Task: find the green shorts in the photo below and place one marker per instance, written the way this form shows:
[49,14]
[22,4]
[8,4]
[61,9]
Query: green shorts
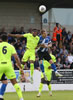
[8,70]
[48,74]
[28,55]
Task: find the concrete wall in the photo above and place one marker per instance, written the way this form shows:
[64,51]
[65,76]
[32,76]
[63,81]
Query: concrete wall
[19,14]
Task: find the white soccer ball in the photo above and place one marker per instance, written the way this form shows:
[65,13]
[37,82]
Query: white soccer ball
[42,8]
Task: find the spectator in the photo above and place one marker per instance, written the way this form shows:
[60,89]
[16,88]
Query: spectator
[57,48]
[39,32]
[64,51]
[3,31]
[71,44]
[69,36]
[19,51]
[58,32]
[66,64]
[13,42]
[64,34]
[12,39]
[30,30]
[58,63]
[70,59]
[22,32]
[54,50]
[17,44]
[23,44]
[14,31]
[36,63]
[62,58]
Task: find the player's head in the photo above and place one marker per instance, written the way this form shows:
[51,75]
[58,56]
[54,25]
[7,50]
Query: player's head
[4,37]
[34,32]
[43,33]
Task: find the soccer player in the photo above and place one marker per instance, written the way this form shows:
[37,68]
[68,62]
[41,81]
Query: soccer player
[3,80]
[44,54]
[6,51]
[48,73]
[32,42]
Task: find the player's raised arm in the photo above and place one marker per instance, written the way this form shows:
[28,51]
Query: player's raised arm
[44,45]
[16,35]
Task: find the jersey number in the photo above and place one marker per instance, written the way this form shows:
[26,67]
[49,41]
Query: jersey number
[4,50]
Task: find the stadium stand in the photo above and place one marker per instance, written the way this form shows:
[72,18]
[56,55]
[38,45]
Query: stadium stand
[62,52]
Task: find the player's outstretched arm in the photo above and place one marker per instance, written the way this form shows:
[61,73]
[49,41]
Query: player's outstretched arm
[42,45]
[15,35]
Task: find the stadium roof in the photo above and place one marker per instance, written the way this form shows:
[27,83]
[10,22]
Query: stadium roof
[48,3]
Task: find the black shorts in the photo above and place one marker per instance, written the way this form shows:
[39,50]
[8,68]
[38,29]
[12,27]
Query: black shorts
[44,55]
[3,77]
[43,81]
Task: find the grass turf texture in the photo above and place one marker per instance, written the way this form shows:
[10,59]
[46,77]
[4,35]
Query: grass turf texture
[57,95]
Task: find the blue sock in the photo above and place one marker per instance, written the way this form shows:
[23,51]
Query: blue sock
[3,88]
[42,67]
[54,67]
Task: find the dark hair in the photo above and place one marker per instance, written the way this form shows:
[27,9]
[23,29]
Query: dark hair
[34,30]
[4,37]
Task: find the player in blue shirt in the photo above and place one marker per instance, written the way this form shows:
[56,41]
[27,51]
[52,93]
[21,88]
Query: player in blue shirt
[44,44]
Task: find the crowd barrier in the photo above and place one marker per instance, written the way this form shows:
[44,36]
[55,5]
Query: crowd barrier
[58,83]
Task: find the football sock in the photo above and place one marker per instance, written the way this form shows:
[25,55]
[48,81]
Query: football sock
[49,87]
[42,67]
[54,67]
[40,87]
[3,88]
[18,90]
[32,69]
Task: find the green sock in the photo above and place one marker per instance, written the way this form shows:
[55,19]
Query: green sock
[22,66]
[18,90]
[49,87]
[41,87]
[32,69]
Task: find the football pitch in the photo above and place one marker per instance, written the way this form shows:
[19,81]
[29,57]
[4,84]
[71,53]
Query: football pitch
[57,95]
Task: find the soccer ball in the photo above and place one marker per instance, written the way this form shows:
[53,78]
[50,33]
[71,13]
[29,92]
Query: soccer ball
[42,8]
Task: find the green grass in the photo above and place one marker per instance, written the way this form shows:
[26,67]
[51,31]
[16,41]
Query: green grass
[57,95]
